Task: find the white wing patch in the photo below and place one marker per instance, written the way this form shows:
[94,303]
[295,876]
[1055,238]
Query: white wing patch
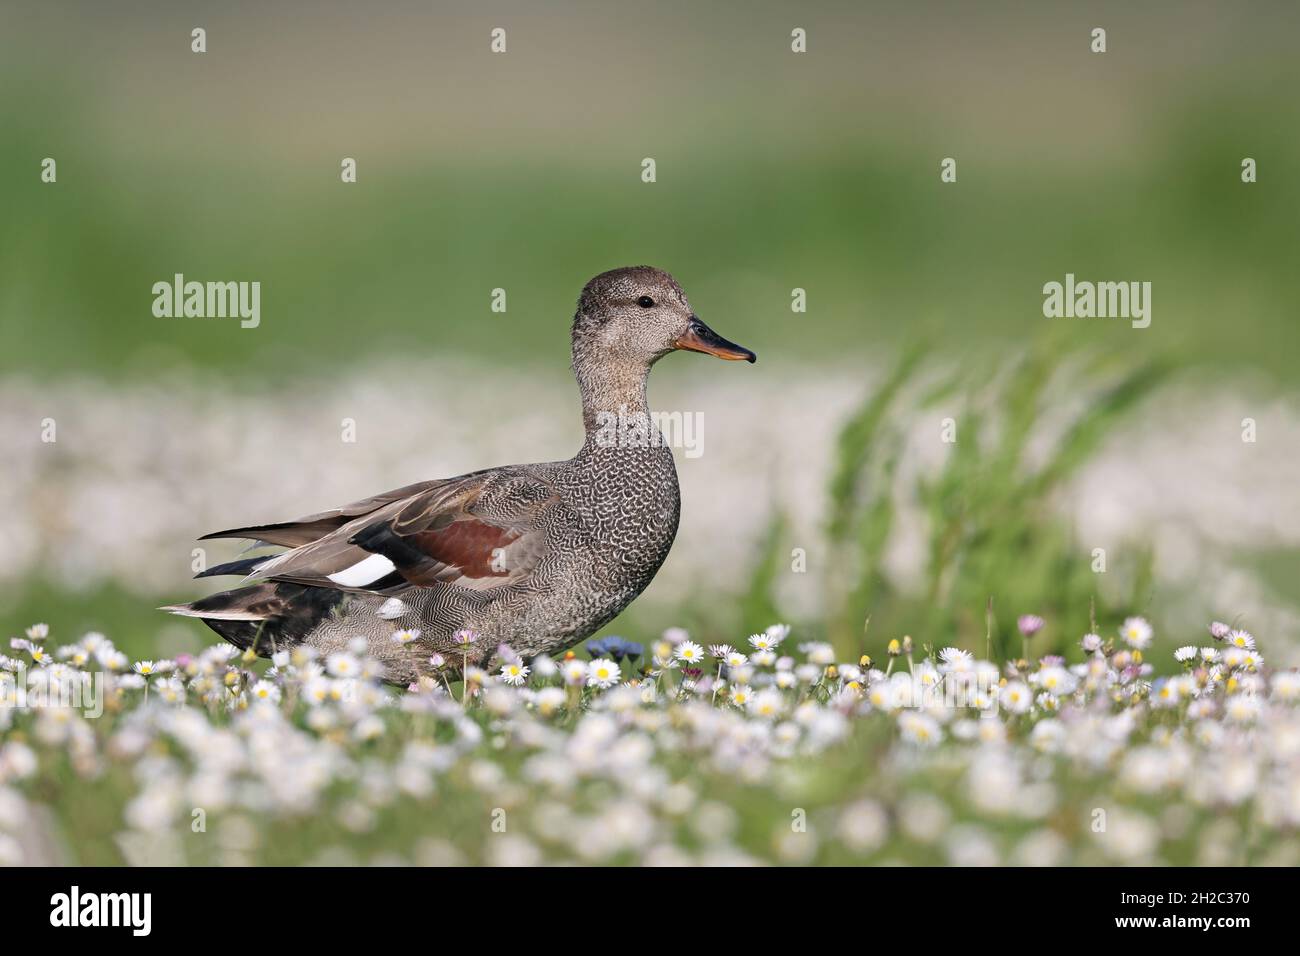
[363,572]
[392,609]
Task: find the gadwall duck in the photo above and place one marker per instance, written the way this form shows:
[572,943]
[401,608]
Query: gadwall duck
[536,557]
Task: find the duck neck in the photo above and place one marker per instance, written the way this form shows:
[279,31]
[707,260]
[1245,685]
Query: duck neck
[613,402]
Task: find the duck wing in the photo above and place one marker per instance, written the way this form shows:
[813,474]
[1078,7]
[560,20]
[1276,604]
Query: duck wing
[293,534]
[478,531]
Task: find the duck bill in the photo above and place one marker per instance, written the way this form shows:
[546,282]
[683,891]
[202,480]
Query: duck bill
[698,337]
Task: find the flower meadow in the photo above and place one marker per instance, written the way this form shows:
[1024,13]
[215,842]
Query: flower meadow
[679,751]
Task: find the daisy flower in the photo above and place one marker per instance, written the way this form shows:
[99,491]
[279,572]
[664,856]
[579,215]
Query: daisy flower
[1286,685]
[1136,632]
[767,703]
[927,675]
[549,701]
[603,673]
[144,668]
[1016,697]
[777,632]
[736,659]
[720,651]
[955,659]
[1166,693]
[689,652]
[741,695]
[464,637]
[1241,640]
[514,673]
[1047,736]
[1186,653]
[342,665]
[819,652]
[405,636]
[1242,708]
[761,642]
[919,728]
[1091,643]
[265,690]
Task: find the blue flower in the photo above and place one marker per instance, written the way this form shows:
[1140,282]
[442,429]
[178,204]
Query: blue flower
[615,648]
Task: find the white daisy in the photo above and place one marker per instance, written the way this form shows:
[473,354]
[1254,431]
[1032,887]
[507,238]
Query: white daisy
[767,703]
[1242,708]
[1166,693]
[1242,640]
[574,672]
[1136,632]
[689,652]
[819,652]
[919,728]
[342,665]
[1286,685]
[265,690]
[406,636]
[1016,697]
[955,659]
[514,673]
[549,700]
[777,632]
[1185,653]
[603,673]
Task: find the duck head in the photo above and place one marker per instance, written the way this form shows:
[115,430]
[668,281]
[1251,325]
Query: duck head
[635,316]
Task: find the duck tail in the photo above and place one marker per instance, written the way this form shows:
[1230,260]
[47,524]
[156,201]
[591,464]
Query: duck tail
[265,617]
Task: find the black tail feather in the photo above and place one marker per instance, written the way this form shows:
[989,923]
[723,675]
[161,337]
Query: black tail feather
[266,617]
[242,566]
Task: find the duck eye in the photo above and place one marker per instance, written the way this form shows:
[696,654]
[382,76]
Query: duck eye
[646,302]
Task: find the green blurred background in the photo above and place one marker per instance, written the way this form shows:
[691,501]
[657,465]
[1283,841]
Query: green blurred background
[522,171]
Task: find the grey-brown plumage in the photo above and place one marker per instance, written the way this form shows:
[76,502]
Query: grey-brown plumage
[534,556]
